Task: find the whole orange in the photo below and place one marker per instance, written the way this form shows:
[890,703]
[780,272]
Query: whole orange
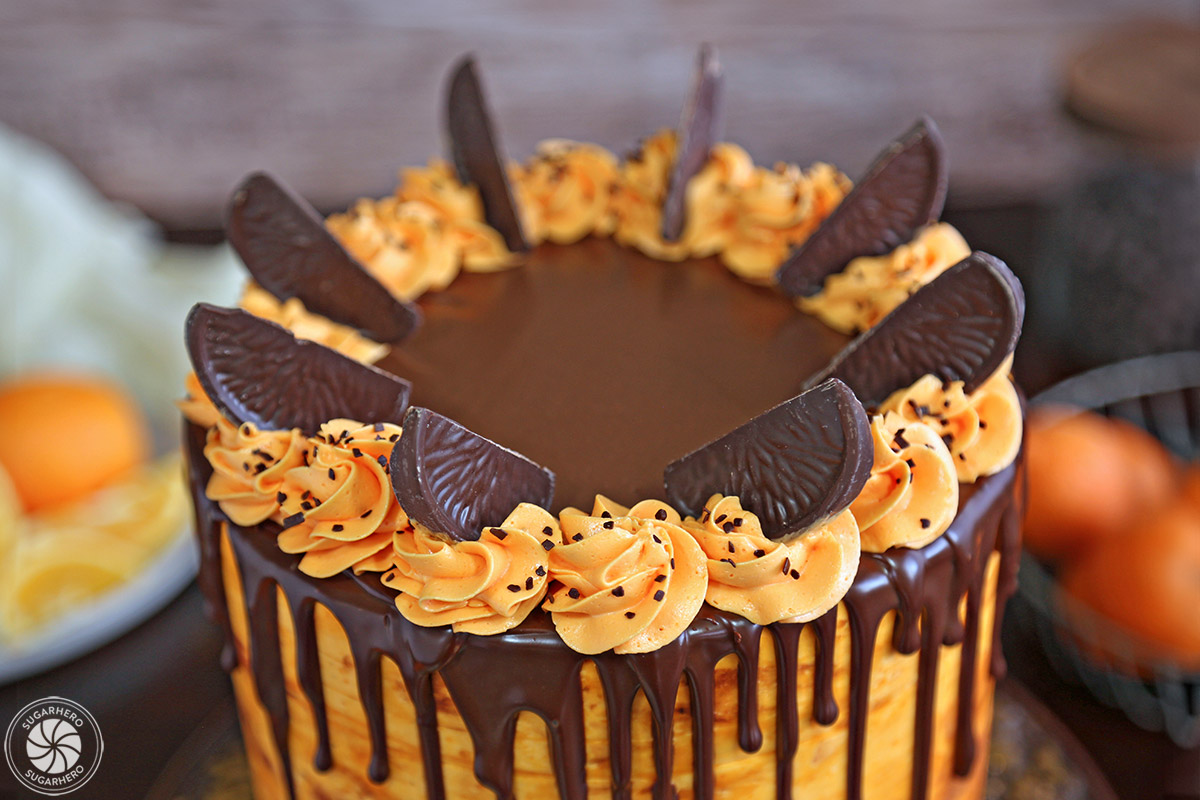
[63,436]
[1148,582]
[1080,491]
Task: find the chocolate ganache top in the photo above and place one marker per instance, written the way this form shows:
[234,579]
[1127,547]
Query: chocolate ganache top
[604,364]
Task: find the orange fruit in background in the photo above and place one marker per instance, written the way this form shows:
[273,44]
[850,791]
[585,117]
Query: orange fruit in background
[1078,491]
[63,436]
[1148,582]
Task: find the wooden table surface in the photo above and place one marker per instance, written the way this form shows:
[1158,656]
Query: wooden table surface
[166,104]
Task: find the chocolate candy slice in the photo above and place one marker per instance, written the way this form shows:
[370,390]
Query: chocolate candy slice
[904,189]
[256,371]
[699,129]
[456,482]
[794,466]
[960,326]
[475,150]
[286,248]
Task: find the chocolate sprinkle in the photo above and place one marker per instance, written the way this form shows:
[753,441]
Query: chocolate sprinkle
[573,593]
[661,514]
[903,190]
[547,545]
[618,591]
[288,251]
[925,523]
[338,528]
[293,520]
[499,533]
[659,595]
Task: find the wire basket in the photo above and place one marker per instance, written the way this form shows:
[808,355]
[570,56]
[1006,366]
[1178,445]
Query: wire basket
[1161,394]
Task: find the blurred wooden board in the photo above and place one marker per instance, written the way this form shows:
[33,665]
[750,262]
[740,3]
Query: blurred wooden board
[166,104]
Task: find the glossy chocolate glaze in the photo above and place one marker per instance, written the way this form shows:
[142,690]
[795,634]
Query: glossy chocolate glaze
[605,365]
[492,678]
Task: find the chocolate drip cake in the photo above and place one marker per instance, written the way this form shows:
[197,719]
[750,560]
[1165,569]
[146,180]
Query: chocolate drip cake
[403,448]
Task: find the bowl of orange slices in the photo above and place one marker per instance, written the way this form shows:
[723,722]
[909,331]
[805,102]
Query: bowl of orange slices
[92,523]
[1111,576]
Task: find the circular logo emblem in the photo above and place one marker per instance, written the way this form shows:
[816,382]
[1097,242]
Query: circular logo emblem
[53,746]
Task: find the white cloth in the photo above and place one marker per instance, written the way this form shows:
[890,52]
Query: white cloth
[87,284]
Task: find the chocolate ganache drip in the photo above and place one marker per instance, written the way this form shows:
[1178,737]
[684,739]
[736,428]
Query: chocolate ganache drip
[492,679]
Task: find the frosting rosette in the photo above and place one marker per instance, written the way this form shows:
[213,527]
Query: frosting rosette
[982,429]
[625,579]
[769,581]
[564,191]
[338,507]
[248,468]
[778,209]
[483,587]
[638,197]
[419,238]
[911,497]
[304,324]
[870,287]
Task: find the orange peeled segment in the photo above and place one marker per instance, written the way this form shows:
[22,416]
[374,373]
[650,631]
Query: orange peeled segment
[64,436]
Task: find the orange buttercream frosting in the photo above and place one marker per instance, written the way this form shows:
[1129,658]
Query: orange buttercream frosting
[748,216]
[769,581]
[982,429]
[485,586]
[419,238]
[911,497]
[249,467]
[195,405]
[338,507]
[870,287]
[565,191]
[304,324]
[625,579]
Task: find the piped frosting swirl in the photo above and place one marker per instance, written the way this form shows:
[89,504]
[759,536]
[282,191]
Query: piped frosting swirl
[768,581]
[912,495]
[483,587]
[982,429]
[626,579]
[867,290]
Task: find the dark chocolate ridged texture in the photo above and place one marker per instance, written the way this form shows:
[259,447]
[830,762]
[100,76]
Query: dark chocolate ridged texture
[455,482]
[255,371]
[960,327]
[699,129]
[476,153]
[287,250]
[793,466]
[903,190]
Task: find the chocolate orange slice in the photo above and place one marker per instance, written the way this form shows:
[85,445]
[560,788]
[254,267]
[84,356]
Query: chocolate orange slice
[903,190]
[960,327]
[288,251]
[456,482]
[699,129]
[256,371]
[794,466]
[475,151]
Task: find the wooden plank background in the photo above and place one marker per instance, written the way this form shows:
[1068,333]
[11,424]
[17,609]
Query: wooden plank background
[166,104]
